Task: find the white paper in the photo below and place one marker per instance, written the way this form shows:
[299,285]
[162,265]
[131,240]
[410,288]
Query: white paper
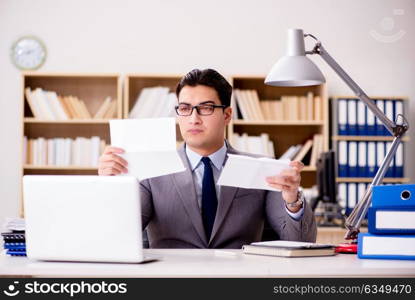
[250,173]
[149,144]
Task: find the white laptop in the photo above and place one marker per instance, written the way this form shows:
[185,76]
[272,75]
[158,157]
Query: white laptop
[83,218]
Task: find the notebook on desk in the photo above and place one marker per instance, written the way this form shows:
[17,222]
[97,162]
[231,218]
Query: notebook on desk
[288,249]
[83,218]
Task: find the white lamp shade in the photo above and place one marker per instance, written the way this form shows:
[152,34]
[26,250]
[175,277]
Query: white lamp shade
[295,69]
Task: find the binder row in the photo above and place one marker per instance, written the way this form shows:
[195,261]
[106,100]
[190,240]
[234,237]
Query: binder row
[14,243]
[391,224]
[354,118]
[349,194]
[363,159]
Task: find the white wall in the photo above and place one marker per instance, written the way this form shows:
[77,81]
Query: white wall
[235,37]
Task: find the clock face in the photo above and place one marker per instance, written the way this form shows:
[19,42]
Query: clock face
[28,53]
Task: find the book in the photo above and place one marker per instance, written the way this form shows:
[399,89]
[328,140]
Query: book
[386,246]
[302,111]
[310,106]
[266,112]
[318,108]
[68,105]
[154,102]
[56,105]
[33,104]
[110,113]
[46,110]
[85,112]
[316,149]
[254,99]
[78,107]
[15,246]
[103,108]
[16,253]
[240,102]
[261,145]
[291,152]
[65,107]
[80,151]
[288,249]
[304,150]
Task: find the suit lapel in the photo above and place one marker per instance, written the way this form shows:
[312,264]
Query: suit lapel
[226,196]
[185,187]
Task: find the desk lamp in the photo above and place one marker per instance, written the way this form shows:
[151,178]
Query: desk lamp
[295,69]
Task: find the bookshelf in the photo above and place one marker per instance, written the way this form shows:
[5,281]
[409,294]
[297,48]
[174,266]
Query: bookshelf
[135,83]
[92,89]
[361,130]
[283,133]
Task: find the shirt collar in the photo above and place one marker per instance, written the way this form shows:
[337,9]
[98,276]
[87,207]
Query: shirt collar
[217,158]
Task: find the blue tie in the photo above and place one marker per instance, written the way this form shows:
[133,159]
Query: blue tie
[209,198]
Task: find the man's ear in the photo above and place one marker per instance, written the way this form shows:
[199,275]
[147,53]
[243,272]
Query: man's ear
[228,114]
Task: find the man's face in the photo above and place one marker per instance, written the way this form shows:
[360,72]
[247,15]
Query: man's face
[203,132]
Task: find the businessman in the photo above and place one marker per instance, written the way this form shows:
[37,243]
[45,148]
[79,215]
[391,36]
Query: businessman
[188,209]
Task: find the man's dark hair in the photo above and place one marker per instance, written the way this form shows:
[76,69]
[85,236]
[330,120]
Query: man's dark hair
[210,78]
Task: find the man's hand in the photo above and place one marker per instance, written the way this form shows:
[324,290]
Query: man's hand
[288,182]
[110,163]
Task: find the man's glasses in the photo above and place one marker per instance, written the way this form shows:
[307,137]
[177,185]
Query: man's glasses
[202,109]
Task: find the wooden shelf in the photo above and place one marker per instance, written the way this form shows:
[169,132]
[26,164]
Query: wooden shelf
[92,89]
[340,143]
[372,97]
[334,235]
[309,169]
[279,123]
[134,83]
[71,121]
[368,179]
[366,138]
[83,168]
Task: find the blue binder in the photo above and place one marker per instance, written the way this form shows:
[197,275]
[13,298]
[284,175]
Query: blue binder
[362,161]
[391,246]
[361,118]
[371,159]
[389,172]
[389,114]
[342,158]
[16,253]
[380,103]
[352,117]
[400,195]
[371,122]
[14,246]
[342,116]
[399,157]
[375,227]
[352,159]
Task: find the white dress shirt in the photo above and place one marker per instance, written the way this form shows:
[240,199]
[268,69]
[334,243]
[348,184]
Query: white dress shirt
[217,160]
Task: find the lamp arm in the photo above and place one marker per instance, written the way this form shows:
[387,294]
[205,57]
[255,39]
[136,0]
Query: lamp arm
[356,217]
[354,221]
[389,124]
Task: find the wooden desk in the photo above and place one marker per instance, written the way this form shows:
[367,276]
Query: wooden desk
[333,235]
[214,263]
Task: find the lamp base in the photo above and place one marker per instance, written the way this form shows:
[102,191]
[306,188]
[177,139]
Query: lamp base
[349,248]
